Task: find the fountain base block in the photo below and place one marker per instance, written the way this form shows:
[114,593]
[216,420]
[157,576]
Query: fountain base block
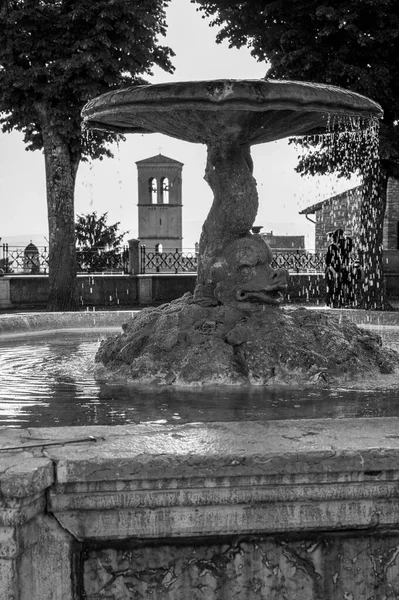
[293,509]
[185,344]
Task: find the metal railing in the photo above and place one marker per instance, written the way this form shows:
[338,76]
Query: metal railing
[175,261]
[17,260]
[299,261]
[102,260]
[170,261]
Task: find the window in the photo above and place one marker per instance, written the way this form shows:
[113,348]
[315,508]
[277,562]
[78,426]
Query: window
[165,190]
[153,190]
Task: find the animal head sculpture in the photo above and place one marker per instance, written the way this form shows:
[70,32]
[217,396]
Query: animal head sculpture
[244,273]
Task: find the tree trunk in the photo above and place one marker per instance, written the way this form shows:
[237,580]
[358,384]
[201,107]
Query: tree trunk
[235,205]
[371,241]
[60,182]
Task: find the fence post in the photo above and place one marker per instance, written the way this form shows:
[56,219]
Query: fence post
[5,258]
[142,259]
[134,256]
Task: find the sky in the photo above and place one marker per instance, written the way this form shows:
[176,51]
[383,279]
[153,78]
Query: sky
[110,185]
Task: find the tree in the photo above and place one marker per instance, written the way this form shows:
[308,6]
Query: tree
[98,244]
[55,55]
[350,43]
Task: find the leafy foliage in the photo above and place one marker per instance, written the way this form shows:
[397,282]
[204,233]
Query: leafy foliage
[349,43]
[57,54]
[99,245]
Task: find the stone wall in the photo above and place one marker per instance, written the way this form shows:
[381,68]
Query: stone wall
[5,301]
[340,211]
[391,223]
[124,291]
[322,566]
[280,509]
[93,290]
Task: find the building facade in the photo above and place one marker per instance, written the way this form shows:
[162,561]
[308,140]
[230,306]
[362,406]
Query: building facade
[160,216]
[343,211]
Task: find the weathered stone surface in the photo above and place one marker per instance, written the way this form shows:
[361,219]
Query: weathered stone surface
[249,110]
[9,545]
[26,478]
[192,480]
[242,272]
[149,451]
[14,325]
[45,571]
[317,567]
[309,509]
[16,512]
[238,519]
[5,301]
[182,343]
[8,579]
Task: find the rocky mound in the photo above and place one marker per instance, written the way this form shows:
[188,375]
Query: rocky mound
[185,344]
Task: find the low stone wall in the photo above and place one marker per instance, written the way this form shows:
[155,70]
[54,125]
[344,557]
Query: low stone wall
[114,291]
[5,301]
[93,290]
[296,509]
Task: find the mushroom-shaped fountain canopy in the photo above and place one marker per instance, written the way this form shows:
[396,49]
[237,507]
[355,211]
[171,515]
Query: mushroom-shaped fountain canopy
[249,111]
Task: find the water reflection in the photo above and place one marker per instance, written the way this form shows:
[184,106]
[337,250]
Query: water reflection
[49,381]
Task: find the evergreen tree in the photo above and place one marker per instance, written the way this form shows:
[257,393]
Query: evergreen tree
[55,55]
[98,245]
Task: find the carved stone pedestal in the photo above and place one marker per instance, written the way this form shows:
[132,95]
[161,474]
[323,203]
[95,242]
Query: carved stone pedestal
[295,509]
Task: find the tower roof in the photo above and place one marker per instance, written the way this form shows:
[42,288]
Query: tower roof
[158,159]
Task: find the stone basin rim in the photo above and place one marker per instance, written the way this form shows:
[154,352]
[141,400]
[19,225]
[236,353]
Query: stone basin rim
[250,95]
[40,322]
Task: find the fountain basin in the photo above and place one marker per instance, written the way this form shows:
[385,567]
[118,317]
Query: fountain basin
[48,378]
[302,507]
[249,111]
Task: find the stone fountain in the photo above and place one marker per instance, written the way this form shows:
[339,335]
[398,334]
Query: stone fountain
[233,329]
[302,508]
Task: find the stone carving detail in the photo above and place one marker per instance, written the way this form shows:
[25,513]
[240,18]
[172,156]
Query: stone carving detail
[244,273]
[333,566]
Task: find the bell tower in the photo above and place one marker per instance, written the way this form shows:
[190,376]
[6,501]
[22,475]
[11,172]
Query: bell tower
[160,203]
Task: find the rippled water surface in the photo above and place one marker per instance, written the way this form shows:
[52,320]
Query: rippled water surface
[48,380]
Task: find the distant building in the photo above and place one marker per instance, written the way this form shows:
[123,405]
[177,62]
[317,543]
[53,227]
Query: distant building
[160,221]
[343,211]
[284,242]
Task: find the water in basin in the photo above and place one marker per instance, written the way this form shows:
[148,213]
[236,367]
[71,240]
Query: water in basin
[48,380]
